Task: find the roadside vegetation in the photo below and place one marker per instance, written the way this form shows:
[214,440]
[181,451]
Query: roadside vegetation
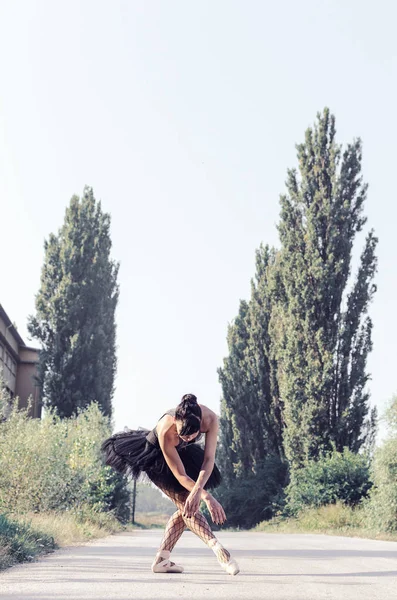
[345,494]
[54,488]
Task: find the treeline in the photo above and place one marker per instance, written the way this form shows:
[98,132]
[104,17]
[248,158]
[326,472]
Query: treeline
[295,380]
[296,424]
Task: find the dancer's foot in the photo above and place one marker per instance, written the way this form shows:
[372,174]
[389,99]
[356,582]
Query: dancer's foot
[230,566]
[162,563]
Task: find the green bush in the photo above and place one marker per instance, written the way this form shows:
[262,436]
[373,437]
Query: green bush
[56,464]
[252,498]
[381,507]
[343,476]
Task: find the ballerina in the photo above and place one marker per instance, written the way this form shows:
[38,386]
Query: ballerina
[170,456]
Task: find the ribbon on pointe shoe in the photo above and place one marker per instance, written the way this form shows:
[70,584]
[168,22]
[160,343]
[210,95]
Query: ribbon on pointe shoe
[231,566]
[165,565]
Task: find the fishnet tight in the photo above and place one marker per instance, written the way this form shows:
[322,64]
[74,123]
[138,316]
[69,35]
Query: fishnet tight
[177,523]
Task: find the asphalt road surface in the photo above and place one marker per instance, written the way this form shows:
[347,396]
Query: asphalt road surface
[274,566]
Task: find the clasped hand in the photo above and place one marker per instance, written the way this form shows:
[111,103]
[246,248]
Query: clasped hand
[192,506]
[192,503]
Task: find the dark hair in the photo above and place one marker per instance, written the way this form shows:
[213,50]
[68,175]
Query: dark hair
[189,412]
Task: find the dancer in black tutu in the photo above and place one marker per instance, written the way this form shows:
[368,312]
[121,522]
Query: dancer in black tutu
[181,469]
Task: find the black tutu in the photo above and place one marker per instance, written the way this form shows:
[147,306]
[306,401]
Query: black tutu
[131,453]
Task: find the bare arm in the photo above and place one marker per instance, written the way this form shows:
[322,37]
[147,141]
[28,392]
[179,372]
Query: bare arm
[192,503]
[174,462]
[196,488]
[211,440]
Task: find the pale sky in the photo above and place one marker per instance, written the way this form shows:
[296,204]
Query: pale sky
[183,117]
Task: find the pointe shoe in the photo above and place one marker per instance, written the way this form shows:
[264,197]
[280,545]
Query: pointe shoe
[165,565]
[230,567]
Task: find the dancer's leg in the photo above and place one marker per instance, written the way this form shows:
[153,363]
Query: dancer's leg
[173,531]
[198,524]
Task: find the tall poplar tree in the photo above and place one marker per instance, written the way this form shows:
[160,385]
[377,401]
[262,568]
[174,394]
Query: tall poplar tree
[251,450]
[235,428]
[251,415]
[321,328]
[75,311]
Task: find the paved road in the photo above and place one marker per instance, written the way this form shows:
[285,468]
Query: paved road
[274,566]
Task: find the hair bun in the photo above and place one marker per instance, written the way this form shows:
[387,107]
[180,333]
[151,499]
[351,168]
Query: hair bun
[189,399]
[189,412]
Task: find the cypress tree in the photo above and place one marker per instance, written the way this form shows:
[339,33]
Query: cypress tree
[234,454]
[75,311]
[321,330]
[251,416]
[262,356]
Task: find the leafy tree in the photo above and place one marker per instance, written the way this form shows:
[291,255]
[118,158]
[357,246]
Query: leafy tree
[75,311]
[251,453]
[236,436]
[294,381]
[254,497]
[323,332]
[251,420]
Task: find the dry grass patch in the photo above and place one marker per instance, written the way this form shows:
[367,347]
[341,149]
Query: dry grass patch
[151,520]
[69,528]
[332,519]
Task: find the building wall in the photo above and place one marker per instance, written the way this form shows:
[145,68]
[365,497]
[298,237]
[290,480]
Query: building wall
[27,354]
[9,338]
[18,366]
[8,367]
[27,386]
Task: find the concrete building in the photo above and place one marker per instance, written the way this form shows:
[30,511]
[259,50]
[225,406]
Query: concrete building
[18,365]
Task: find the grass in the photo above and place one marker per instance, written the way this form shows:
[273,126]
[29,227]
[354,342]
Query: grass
[69,528]
[26,537]
[332,519]
[19,542]
[151,520]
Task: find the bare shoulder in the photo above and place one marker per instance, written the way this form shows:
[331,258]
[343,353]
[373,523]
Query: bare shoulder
[209,419]
[165,427]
